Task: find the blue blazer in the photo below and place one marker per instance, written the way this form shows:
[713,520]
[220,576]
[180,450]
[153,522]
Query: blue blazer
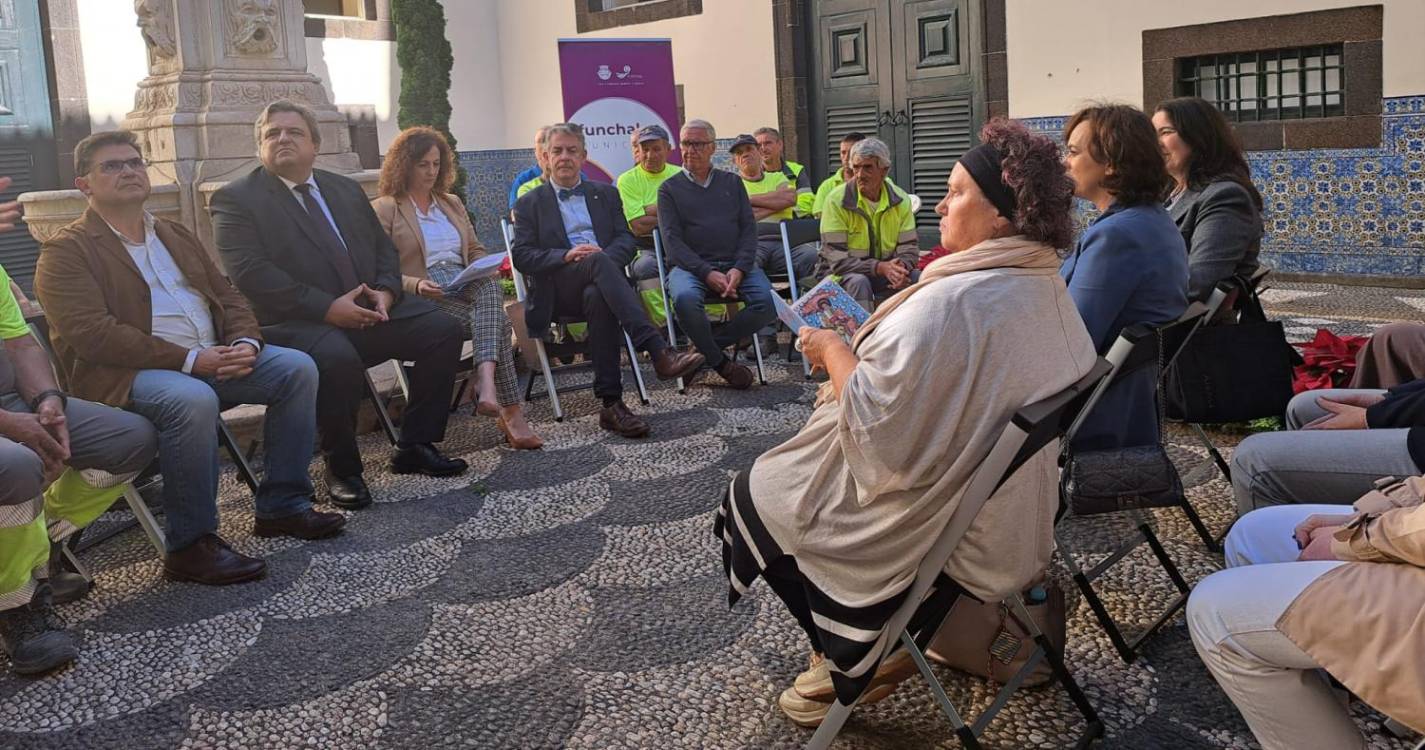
[1130,267]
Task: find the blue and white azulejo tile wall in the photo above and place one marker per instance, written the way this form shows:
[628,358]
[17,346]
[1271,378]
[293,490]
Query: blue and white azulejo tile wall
[1356,211]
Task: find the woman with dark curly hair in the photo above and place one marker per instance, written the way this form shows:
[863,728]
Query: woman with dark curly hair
[433,234]
[838,518]
[1130,265]
[1216,206]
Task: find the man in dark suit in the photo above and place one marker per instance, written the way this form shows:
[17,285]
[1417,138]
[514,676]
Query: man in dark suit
[323,277]
[572,241]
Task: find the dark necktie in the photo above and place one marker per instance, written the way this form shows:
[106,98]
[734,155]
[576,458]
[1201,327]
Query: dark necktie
[330,241]
[566,193]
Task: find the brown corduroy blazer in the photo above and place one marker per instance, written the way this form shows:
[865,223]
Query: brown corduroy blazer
[100,311]
[398,216]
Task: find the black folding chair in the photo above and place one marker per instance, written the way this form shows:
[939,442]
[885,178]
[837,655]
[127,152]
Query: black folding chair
[797,232]
[1032,429]
[712,298]
[541,347]
[1138,347]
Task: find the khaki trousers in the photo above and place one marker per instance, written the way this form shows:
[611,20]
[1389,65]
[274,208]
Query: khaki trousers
[1232,617]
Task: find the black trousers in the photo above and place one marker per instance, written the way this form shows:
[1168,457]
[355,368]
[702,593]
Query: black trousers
[596,290]
[430,339]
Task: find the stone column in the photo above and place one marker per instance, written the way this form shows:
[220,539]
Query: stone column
[213,66]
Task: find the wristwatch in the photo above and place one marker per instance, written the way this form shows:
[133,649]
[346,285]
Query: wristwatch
[42,395]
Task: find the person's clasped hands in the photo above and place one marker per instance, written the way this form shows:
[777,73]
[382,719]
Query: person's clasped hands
[347,311]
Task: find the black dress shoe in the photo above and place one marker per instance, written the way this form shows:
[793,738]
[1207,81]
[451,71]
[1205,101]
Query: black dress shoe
[212,562]
[425,459]
[308,524]
[348,493]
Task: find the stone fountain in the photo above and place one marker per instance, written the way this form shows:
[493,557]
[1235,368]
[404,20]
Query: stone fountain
[213,65]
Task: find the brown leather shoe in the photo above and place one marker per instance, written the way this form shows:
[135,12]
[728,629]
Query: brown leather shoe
[309,524]
[671,363]
[737,376]
[618,419]
[210,561]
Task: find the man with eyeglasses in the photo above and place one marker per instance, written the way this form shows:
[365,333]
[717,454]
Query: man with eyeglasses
[710,233]
[63,461]
[142,319]
[572,243]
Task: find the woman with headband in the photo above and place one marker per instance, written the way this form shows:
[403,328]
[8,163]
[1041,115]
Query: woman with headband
[838,518]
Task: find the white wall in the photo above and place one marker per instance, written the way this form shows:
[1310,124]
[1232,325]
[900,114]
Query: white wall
[1064,53]
[477,92]
[115,59]
[360,71]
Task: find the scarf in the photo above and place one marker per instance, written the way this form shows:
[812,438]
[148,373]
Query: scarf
[1017,251]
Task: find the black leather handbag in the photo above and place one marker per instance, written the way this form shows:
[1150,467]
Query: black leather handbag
[1234,372]
[1115,479]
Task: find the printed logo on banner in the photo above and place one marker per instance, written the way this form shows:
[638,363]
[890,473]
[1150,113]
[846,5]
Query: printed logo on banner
[609,123]
[613,87]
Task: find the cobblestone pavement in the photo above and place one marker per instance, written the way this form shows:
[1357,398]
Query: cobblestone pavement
[573,598]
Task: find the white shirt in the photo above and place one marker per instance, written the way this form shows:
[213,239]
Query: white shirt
[180,314]
[316,193]
[442,239]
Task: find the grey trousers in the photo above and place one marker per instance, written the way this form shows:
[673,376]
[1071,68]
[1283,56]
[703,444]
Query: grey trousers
[773,261]
[100,437]
[1315,466]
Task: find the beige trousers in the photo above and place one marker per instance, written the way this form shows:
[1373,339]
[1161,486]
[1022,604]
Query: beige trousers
[1232,617]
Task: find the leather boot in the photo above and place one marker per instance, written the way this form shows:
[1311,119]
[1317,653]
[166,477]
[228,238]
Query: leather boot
[34,638]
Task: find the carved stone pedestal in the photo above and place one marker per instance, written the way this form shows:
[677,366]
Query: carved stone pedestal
[213,66]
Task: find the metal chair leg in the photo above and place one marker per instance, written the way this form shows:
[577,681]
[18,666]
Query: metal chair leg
[637,371]
[549,381]
[382,415]
[229,443]
[757,350]
[74,562]
[146,520]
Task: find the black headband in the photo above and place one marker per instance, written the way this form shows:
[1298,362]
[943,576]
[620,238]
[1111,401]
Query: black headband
[983,164]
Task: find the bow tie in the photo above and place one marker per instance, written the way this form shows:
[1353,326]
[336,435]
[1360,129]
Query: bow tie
[565,193]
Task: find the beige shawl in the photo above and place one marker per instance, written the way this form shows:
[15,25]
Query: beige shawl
[1005,252]
[859,494]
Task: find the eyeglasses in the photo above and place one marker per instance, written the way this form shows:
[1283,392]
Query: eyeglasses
[696,145]
[117,166]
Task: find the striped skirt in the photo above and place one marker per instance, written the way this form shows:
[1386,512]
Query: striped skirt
[845,635]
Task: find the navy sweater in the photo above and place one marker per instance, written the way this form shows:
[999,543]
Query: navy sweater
[707,229]
[1403,407]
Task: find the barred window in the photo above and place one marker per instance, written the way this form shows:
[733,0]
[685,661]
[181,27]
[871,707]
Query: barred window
[1283,84]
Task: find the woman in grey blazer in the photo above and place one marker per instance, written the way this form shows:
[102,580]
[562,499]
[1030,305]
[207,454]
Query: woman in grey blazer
[1216,206]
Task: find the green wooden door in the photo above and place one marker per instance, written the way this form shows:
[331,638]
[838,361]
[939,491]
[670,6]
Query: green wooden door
[27,152]
[905,71]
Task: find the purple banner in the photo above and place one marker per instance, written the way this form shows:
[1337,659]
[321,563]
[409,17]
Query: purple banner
[613,87]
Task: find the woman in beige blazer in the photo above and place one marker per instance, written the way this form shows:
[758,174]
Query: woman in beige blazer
[436,241]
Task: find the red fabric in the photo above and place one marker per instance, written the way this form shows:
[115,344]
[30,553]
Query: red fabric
[1330,361]
[926,258]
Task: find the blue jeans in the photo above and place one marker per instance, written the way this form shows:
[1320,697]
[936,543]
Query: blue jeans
[185,409]
[688,294]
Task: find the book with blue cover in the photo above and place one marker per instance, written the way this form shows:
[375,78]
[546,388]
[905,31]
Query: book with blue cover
[825,305]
